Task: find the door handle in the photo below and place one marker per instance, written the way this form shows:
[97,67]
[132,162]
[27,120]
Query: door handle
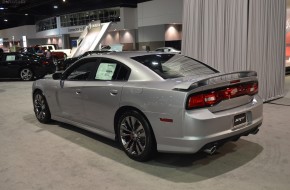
[78,91]
[113,92]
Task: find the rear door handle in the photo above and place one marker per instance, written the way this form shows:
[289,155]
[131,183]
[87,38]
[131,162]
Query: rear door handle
[78,91]
[113,92]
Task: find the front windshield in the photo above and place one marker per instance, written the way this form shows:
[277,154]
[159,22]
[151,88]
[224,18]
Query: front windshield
[173,66]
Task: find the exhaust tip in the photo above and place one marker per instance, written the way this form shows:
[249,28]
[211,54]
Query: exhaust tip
[255,131]
[210,150]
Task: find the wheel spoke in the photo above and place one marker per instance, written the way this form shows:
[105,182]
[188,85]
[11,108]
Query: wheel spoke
[125,135]
[139,128]
[40,115]
[124,128]
[130,146]
[140,148]
[142,134]
[131,149]
[129,124]
[126,143]
[133,122]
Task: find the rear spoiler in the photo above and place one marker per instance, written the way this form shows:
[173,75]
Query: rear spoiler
[214,79]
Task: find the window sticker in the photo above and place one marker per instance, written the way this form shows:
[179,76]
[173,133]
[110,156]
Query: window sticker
[105,71]
[10,58]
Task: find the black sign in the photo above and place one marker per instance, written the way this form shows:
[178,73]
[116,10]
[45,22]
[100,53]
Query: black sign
[240,119]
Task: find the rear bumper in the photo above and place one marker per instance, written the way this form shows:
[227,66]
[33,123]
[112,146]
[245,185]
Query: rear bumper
[202,128]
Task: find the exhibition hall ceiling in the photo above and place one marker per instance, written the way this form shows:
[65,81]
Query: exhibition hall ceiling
[22,12]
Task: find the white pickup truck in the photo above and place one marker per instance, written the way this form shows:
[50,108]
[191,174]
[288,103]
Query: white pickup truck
[52,48]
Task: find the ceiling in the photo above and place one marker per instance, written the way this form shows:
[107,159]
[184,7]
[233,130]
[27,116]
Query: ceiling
[25,12]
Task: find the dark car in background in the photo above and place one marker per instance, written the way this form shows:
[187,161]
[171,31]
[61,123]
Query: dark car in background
[24,66]
[63,64]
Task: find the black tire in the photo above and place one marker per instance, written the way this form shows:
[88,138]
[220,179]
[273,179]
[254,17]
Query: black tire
[135,136]
[26,74]
[41,108]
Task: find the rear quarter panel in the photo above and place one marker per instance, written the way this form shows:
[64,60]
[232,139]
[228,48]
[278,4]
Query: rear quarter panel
[157,103]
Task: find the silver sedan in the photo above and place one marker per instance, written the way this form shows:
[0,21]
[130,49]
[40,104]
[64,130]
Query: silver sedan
[151,101]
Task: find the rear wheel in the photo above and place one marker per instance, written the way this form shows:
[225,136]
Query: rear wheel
[41,108]
[135,136]
[26,74]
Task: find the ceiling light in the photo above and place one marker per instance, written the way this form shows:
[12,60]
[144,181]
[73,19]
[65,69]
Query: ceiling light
[55,6]
[1,8]
[5,20]
[26,14]
[63,0]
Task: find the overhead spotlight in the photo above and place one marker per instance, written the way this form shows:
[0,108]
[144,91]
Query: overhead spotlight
[55,6]
[1,8]
[26,14]
[5,20]
[63,0]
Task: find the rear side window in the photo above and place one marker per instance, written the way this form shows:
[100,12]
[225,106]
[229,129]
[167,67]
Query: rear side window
[110,69]
[173,66]
[106,71]
[11,58]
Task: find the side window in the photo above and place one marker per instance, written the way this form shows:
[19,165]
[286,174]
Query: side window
[106,71]
[112,70]
[10,57]
[84,71]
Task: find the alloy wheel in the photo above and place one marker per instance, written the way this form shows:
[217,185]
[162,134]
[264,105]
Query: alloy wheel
[40,107]
[133,136]
[26,74]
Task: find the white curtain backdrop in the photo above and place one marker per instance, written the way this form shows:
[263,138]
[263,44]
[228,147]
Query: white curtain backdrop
[233,35]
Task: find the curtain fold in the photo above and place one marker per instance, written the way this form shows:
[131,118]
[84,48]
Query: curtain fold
[239,35]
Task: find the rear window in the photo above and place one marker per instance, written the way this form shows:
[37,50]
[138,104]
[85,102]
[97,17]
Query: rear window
[173,66]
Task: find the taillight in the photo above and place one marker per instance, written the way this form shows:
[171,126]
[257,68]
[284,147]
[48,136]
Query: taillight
[213,97]
[252,88]
[45,62]
[196,101]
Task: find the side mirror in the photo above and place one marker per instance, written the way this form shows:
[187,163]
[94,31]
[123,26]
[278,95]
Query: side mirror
[57,76]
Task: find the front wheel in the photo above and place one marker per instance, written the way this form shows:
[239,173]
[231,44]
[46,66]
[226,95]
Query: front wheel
[26,74]
[135,136]
[41,108]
